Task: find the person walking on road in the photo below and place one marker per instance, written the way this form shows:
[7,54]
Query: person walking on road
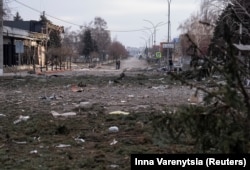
[118,64]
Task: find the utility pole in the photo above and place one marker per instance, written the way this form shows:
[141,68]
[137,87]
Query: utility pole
[154,27]
[169,57]
[1,37]
[169,22]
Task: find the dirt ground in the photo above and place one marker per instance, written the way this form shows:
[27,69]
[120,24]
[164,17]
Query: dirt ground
[64,121]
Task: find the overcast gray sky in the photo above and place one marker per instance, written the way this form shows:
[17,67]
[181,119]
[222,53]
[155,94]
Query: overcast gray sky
[122,16]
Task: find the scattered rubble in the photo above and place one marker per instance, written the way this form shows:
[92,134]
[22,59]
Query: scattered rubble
[21,119]
[113,142]
[63,146]
[66,114]
[113,129]
[119,113]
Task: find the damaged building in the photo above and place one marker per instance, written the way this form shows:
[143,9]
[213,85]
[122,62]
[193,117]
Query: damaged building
[25,42]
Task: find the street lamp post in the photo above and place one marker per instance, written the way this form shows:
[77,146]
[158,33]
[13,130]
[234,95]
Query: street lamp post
[154,26]
[169,2]
[169,27]
[151,36]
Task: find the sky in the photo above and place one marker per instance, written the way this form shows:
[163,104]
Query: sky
[130,22]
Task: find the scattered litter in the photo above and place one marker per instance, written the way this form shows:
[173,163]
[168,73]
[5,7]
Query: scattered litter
[67,86]
[80,140]
[75,88]
[34,152]
[223,83]
[52,97]
[131,96]
[85,105]
[21,118]
[113,129]
[114,166]
[113,142]
[67,114]
[1,146]
[123,101]
[111,82]
[37,138]
[19,103]
[160,87]
[195,99]
[119,113]
[20,142]
[63,146]
[2,115]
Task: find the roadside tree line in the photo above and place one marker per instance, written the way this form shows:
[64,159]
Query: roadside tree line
[92,43]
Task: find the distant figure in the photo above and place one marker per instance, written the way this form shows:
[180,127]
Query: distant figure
[118,64]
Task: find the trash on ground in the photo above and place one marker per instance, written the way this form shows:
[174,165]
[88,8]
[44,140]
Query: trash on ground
[131,96]
[113,129]
[160,87]
[222,83]
[75,88]
[113,142]
[195,99]
[111,82]
[67,114]
[20,142]
[37,138]
[34,152]
[21,119]
[52,97]
[63,146]
[119,113]
[114,166]
[85,105]
[80,140]
[2,115]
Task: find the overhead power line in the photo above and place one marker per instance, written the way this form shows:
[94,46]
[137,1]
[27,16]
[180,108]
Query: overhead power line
[71,23]
[36,10]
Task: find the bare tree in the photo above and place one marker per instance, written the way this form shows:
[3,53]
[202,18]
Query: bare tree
[71,44]
[6,9]
[101,35]
[199,26]
[117,51]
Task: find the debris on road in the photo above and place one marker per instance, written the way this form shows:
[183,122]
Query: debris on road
[20,142]
[113,142]
[67,114]
[21,118]
[119,113]
[2,115]
[76,88]
[63,146]
[34,152]
[79,140]
[113,129]
[85,105]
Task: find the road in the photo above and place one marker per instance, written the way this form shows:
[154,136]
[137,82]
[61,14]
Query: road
[133,63]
